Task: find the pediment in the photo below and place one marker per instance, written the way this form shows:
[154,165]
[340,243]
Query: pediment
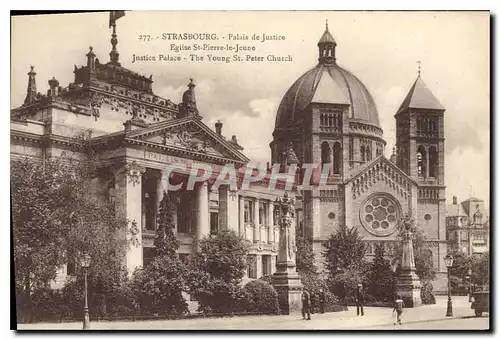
[381,169]
[190,135]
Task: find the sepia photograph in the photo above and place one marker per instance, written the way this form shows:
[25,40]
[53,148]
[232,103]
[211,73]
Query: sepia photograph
[250,170]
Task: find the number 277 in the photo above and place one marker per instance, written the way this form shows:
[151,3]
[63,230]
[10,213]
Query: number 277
[145,37]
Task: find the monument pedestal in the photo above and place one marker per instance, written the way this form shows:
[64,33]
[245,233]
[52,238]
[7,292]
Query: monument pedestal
[408,287]
[287,283]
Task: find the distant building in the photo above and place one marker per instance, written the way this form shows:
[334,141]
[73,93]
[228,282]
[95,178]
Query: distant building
[467,226]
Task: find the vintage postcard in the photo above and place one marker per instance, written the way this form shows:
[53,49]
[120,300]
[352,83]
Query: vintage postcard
[252,170]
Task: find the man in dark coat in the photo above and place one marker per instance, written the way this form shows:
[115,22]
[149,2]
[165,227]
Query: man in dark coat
[306,305]
[321,301]
[360,299]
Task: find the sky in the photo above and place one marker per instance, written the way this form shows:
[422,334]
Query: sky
[380,48]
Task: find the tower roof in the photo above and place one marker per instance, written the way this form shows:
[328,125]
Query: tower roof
[326,37]
[420,97]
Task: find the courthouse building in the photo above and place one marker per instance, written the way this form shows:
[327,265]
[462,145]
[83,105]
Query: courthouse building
[326,117]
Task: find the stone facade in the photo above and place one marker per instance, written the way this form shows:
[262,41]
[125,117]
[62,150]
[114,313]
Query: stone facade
[327,118]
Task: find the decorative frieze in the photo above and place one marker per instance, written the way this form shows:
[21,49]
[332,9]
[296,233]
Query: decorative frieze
[381,171]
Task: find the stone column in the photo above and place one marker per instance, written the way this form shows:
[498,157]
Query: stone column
[256,225]
[202,212]
[241,215]
[273,264]
[159,195]
[228,209]
[259,266]
[270,224]
[286,280]
[128,184]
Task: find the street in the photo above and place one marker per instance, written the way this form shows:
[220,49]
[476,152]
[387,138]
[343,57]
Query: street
[481,323]
[425,317]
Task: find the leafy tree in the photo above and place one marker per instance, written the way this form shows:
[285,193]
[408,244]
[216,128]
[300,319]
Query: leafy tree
[56,215]
[344,248]
[216,272]
[380,276]
[344,260]
[305,256]
[481,269]
[158,287]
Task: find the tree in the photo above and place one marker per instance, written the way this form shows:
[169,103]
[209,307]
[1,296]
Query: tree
[380,276]
[344,248]
[344,260]
[216,272]
[158,287]
[56,215]
[481,269]
[305,256]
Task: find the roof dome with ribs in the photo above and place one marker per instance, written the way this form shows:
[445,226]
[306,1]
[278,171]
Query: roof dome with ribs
[327,83]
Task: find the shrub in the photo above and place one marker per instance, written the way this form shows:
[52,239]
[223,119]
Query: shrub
[426,294]
[263,298]
[46,304]
[216,272]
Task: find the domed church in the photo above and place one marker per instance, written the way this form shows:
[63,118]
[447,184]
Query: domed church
[330,118]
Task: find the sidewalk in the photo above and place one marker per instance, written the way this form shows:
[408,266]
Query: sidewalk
[374,317]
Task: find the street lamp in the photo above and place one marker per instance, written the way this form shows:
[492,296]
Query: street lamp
[448,260]
[85,263]
[394,267]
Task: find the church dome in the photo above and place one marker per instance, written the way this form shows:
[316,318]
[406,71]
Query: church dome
[327,83]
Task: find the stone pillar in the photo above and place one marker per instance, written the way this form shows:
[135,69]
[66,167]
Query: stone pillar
[159,194]
[408,283]
[286,280]
[270,224]
[128,184]
[202,212]
[273,264]
[259,266]
[241,215]
[256,225]
[228,209]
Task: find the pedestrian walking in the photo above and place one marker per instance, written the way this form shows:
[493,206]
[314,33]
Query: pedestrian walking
[306,305]
[398,308]
[321,301]
[360,299]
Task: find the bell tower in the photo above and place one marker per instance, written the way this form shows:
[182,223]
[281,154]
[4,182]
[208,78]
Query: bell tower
[420,135]
[420,154]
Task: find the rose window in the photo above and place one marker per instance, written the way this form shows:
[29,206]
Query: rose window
[380,214]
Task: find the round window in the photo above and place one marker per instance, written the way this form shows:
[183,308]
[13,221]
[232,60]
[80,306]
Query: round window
[331,216]
[427,217]
[380,214]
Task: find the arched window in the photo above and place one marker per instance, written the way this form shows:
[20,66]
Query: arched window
[368,153]
[362,151]
[433,162]
[337,158]
[325,153]
[421,162]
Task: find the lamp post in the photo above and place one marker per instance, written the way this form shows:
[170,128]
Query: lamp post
[469,277]
[394,267]
[448,260]
[85,263]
